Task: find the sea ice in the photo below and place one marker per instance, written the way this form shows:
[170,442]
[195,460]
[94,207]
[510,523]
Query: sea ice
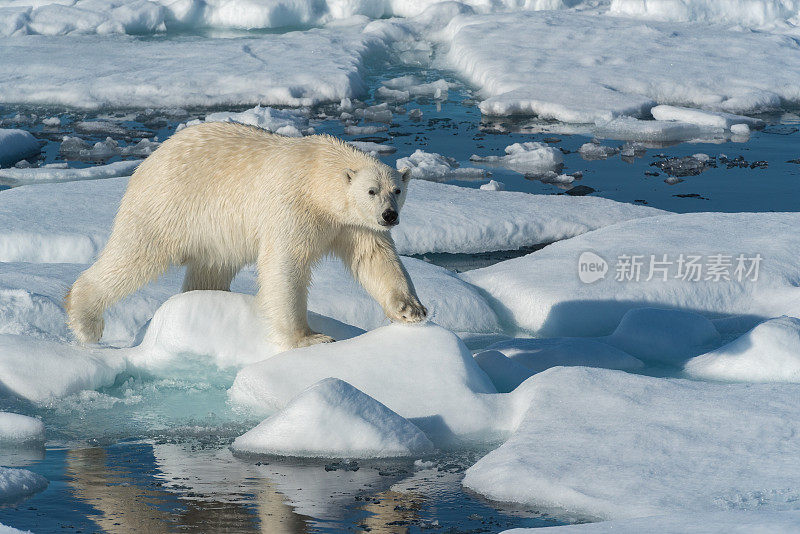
[539,354]
[609,444]
[526,158]
[289,122]
[596,151]
[42,175]
[16,145]
[749,13]
[711,263]
[493,185]
[16,429]
[16,484]
[770,352]
[333,419]
[438,168]
[701,117]
[505,373]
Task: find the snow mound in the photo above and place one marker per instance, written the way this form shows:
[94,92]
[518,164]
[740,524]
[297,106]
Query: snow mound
[709,263]
[16,145]
[703,118]
[86,74]
[618,66]
[16,484]
[538,355]
[526,158]
[505,373]
[422,372]
[70,222]
[218,324]
[438,168]
[608,444]
[664,335]
[731,522]
[451,302]
[42,175]
[770,352]
[334,419]
[752,13]
[41,371]
[20,429]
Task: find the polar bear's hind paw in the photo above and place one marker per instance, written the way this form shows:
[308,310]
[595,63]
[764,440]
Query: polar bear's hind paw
[313,339]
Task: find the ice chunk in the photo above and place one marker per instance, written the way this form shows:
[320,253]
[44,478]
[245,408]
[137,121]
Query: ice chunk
[699,263]
[16,145]
[538,355]
[703,118]
[41,371]
[364,130]
[658,131]
[596,151]
[333,419]
[16,484]
[768,353]
[70,222]
[373,148]
[618,67]
[422,372]
[289,122]
[608,444]
[505,373]
[438,168]
[50,174]
[16,429]
[740,129]
[493,185]
[530,157]
[664,335]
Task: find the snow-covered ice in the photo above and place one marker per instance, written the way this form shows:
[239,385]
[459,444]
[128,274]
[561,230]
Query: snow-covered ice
[748,13]
[289,122]
[438,168]
[505,373]
[703,118]
[493,185]
[608,444]
[770,352]
[543,293]
[16,484]
[63,174]
[16,145]
[70,222]
[334,419]
[538,355]
[526,158]
[617,66]
[17,429]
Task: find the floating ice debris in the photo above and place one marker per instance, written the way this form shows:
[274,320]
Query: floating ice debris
[530,157]
[682,166]
[16,484]
[16,429]
[494,185]
[16,145]
[438,168]
[596,151]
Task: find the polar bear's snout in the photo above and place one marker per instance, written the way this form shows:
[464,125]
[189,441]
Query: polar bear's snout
[389,217]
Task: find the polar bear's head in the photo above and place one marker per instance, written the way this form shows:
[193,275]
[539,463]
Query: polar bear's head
[376,194]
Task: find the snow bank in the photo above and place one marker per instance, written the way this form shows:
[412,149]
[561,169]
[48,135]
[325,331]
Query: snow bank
[41,371]
[731,522]
[753,13]
[16,145]
[618,66]
[334,419]
[703,118]
[70,222]
[537,355]
[41,175]
[664,335]
[691,256]
[16,484]
[438,168]
[608,444]
[86,74]
[526,158]
[451,303]
[422,372]
[768,353]
[505,373]
[220,325]
[20,429]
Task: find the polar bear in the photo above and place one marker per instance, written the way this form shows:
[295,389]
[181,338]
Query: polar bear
[217,196]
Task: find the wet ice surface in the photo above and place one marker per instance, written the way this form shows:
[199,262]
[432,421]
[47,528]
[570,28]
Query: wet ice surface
[153,452]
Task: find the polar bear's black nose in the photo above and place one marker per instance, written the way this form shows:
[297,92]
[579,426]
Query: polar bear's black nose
[389,216]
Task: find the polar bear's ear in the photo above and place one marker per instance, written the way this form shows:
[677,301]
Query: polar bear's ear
[350,174]
[405,172]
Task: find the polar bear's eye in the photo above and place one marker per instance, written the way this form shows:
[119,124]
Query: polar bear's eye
[396,191]
[371,192]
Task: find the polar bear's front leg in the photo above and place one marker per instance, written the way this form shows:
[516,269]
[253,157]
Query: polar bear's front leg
[372,259]
[282,300]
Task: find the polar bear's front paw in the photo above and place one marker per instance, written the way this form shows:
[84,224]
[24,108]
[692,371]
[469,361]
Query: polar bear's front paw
[406,309]
[313,339]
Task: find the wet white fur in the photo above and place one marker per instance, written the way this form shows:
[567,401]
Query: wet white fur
[217,196]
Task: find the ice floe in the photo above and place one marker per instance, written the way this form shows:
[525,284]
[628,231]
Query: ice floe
[711,263]
[16,484]
[438,168]
[703,118]
[333,419]
[748,13]
[591,78]
[289,122]
[16,145]
[770,352]
[608,444]
[16,429]
[48,174]
[526,158]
